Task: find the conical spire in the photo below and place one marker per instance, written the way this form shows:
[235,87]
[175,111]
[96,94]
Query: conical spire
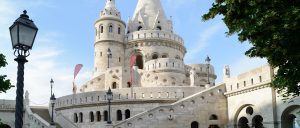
[110,4]
[150,14]
[110,10]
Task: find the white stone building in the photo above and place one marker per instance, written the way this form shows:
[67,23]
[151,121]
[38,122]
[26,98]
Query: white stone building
[165,92]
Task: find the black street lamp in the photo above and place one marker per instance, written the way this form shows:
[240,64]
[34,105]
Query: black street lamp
[52,101]
[109,96]
[109,55]
[207,61]
[51,84]
[23,33]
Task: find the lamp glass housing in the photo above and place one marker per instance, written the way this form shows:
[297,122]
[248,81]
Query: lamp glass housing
[23,33]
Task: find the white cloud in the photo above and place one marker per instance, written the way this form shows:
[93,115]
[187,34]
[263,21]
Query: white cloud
[202,42]
[245,64]
[43,62]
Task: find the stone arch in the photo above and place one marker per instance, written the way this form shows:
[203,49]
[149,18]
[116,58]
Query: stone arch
[236,120]
[155,55]
[127,113]
[213,126]
[213,117]
[194,124]
[119,115]
[92,117]
[110,28]
[257,121]
[80,117]
[105,113]
[75,118]
[98,114]
[288,116]
[165,55]
[119,29]
[101,28]
[140,61]
[129,84]
[114,85]
[139,28]
[158,28]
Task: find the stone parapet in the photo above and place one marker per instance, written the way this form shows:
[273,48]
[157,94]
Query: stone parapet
[153,34]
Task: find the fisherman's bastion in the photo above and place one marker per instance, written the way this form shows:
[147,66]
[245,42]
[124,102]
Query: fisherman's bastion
[165,92]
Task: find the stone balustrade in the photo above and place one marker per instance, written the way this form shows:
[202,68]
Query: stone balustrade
[153,34]
[151,93]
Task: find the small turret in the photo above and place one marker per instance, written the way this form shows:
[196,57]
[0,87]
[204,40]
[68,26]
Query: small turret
[110,33]
[226,72]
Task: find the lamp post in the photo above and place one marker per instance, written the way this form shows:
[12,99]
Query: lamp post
[109,96]
[109,55]
[52,101]
[51,84]
[207,61]
[23,33]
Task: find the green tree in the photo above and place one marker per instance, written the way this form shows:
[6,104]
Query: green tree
[4,83]
[272,27]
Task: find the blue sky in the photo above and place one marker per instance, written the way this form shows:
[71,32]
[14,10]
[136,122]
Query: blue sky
[66,37]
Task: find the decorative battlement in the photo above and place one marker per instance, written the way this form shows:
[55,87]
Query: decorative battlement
[154,34]
[253,78]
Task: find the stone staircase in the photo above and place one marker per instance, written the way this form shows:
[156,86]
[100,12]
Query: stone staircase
[190,107]
[43,112]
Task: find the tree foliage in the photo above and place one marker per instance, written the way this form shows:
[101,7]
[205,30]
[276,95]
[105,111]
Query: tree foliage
[272,27]
[4,83]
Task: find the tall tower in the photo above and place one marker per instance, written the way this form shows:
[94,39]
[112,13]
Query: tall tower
[110,32]
[161,51]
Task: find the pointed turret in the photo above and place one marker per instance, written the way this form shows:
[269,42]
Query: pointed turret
[110,10]
[110,34]
[150,15]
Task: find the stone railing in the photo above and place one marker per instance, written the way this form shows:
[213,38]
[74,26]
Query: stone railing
[35,120]
[164,64]
[64,122]
[153,34]
[143,93]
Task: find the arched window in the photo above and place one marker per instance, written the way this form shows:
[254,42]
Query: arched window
[75,118]
[114,85]
[127,113]
[119,115]
[140,61]
[257,121]
[164,56]
[98,116]
[243,123]
[80,117]
[158,27]
[110,28]
[91,117]
[139,28]
[128,84]
[213,117]
[195,124]
[213,126]
[119,30]
[154,56]
[101,29]
[105,113]
[177,57]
